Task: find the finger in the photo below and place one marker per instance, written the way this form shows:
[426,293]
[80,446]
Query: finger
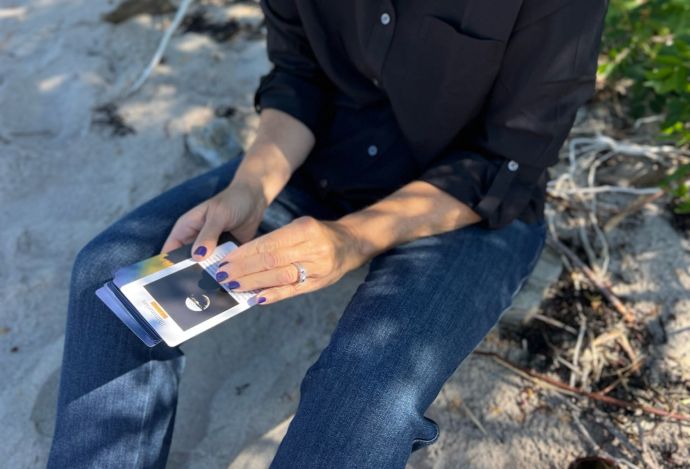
[295,232]
[285,275]
[276,294]
[185,229]
[215,221]
[267,260]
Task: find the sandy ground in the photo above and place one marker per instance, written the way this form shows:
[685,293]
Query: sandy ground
[65,175]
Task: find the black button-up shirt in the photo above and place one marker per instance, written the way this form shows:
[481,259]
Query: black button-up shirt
[473,96]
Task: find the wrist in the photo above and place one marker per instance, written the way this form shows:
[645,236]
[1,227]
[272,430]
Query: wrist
[255,189]
[264,170]
[364,246]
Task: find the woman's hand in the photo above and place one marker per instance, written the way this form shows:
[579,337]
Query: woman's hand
[326,250]
[238,209]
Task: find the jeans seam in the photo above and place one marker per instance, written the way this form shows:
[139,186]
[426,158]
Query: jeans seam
[138,453]
[428,441]
[531,266]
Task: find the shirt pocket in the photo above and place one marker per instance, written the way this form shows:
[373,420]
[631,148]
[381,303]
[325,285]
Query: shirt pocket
[455,61]
[443,84]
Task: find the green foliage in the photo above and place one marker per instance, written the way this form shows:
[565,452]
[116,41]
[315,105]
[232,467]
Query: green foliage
[677,185]
[646,45]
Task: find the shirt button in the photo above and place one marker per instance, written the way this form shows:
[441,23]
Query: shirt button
[373,150]
[323,183]
[385,19]
[513,165]
[375,82]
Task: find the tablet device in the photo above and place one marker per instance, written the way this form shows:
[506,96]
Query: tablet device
[172,298]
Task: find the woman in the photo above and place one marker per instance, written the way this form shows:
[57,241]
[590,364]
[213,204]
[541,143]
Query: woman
[413,134]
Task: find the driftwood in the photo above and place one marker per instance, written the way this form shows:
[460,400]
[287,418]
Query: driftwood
[155,60]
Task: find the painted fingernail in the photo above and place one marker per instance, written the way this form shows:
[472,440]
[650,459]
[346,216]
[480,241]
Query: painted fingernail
[232,285]
[220,276]
[200,251]
[261,300]
[222,264]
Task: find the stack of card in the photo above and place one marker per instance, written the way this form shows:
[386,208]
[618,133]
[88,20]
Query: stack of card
[171,297]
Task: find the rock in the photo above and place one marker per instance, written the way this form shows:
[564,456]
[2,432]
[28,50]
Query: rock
[527,301]
[198,22]
[214,143]
[131,8]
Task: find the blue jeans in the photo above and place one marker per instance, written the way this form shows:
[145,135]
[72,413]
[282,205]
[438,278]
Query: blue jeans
[423,307]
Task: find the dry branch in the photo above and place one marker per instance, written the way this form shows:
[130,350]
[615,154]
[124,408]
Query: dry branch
[562,387]
[181,11]
[630,209]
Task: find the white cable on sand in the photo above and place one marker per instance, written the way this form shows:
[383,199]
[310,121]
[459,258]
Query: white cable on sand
[155,60]
[585,156]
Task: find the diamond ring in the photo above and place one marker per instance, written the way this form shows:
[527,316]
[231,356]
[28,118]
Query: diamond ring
[302,272]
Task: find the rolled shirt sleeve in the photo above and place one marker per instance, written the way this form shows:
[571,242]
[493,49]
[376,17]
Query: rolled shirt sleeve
[548,71]
[296,84]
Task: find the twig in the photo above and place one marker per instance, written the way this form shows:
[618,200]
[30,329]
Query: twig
[647,120]
[627,348]
[578,347]
[602,142]
[474,419]
[610,188]
[623,310]
[594,221]
[555,323]
[622,375]
[179,15]
[567,364]
[562,387]
[587,246]
[640,202]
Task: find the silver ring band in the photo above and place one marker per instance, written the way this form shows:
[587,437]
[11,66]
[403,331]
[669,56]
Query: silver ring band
[302,272]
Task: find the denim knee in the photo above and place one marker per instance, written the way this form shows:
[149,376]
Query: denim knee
[380,407]
[103,255]
[94,263]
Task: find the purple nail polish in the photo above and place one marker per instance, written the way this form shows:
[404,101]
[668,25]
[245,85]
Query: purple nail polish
[200,251]
[232,285]
[222,264]
[261,300]
[220,276]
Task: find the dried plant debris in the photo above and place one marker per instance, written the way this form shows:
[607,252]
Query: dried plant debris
[586,346]
[593,345]
[107,116]
[198,22]
[131,8]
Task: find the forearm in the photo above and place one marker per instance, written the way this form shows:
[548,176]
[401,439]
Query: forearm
[414,211]
[281,145]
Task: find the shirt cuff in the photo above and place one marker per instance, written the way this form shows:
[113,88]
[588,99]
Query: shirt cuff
[499,191]
[299,97]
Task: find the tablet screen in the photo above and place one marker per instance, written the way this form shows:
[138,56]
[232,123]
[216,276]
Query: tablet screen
[190,296]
